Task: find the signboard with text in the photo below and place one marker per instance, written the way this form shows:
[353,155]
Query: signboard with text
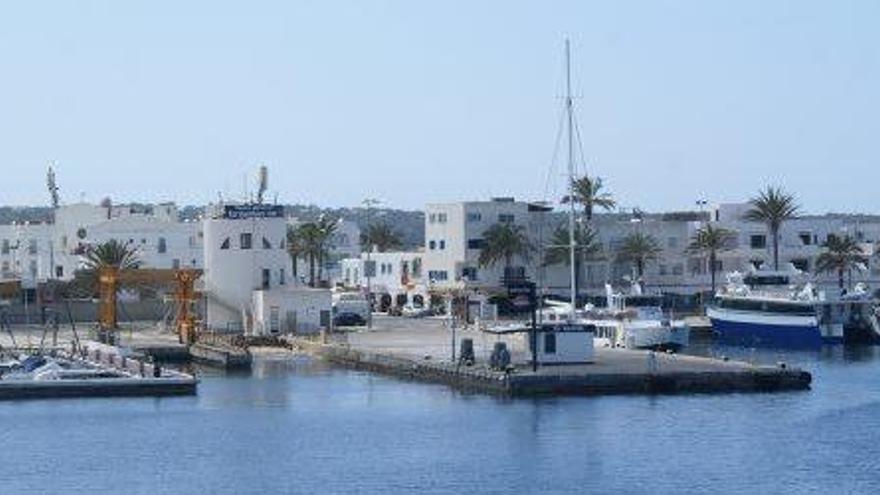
[240,212]
[522,296]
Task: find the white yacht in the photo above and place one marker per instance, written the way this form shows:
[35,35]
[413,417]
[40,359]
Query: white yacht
[634,320]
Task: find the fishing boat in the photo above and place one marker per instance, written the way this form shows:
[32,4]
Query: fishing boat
[782,309]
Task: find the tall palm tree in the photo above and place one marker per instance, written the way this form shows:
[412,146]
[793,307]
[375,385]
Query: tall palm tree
[327,227]
[309,235]
[841,254]
[557,253]
[587,191]
[638,249]
[503,242]
[313,241]
[111,254]
[295,248]
[773,206]
[708,241]
[382,236]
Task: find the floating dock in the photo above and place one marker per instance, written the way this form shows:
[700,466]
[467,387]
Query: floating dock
[129,378]
[615,371]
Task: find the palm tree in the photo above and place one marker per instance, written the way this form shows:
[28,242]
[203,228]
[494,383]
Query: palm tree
[638,249]
[708,241]
[295,248]
[841,254]
[503,242]
[312,240]
[587,191]
[558,252]
[111,254]
[327,227]
[382,236]
[773,206]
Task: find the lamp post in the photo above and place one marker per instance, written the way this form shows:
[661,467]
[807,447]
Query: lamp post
[369,203]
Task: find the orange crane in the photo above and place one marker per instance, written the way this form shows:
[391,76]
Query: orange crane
[185,295]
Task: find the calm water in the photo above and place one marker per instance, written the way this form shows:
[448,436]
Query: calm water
[301,427]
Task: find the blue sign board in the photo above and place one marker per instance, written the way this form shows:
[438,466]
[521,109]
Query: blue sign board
[239,212]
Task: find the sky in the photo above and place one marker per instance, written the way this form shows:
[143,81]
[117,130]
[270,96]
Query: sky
[421,102]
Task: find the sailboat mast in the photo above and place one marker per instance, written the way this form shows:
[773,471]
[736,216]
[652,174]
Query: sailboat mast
[572,241]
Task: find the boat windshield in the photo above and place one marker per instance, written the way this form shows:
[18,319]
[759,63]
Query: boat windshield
[765,306]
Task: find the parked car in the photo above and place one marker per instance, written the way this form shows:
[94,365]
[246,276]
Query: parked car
[348,319]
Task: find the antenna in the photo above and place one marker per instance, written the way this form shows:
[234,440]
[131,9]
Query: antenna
[262,182]
[52,185]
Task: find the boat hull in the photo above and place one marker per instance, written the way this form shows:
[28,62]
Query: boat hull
[657,337]
[767,330]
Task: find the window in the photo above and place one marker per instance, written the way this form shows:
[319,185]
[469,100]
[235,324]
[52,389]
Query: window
[677,269]
[266,244]
[662,269]
[274,320]
[432,245]
[801,264]
[266,280]
[33,268]
[192,241]
[469,273]
[474,217]
[442,244]
[432,218]
[550,343]
[175,264]
[245,240]
[225,244]
[476,243]
[162,245]
[758,241]
[59,271]
[32,246]
[281,278]
[441,218]
[806,238]
[506,218]
[5,248]
[437,275]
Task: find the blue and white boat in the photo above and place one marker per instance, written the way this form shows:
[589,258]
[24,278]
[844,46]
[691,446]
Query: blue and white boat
[772,309]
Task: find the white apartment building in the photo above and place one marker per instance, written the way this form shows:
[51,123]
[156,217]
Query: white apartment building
[453,239]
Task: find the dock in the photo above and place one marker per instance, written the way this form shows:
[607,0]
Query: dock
[133,378]
[423,355]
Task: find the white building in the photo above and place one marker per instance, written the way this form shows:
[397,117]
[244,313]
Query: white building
[247,274]
[398,279]
[38,252]
[454,237]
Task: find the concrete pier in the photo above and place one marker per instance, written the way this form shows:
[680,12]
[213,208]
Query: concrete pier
[411,352]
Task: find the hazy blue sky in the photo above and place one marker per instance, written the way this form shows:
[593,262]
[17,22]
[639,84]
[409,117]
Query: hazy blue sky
[416,101]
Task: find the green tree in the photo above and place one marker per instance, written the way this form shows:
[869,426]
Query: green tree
[558,252]
[840,255]
[588,192]
[295,248]
[638,249]
[503,242]
[773,206]
[111,254]
[382,236]
[708,241]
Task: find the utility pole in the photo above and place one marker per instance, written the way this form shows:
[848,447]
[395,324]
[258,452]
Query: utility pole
[369,203]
